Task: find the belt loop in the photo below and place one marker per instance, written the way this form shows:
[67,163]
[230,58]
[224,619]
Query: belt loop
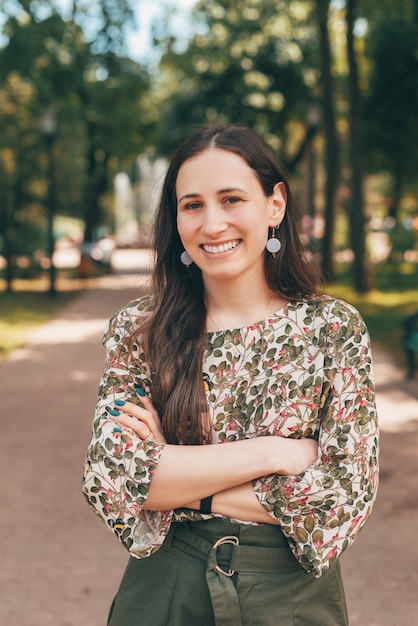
[222,590]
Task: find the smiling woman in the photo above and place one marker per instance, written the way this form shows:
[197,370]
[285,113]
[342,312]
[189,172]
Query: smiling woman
[234,346]
[222,219]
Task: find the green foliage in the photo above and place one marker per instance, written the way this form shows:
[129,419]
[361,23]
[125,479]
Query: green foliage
[97,94]
[249,62]
[392,102]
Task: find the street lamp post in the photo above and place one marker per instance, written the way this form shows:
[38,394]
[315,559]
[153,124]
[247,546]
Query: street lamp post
[48,125]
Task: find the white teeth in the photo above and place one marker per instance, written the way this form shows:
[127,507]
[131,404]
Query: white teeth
[222,248]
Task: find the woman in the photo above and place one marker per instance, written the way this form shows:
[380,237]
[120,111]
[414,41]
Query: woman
[234,346]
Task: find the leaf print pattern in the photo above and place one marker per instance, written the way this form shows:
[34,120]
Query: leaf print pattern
[303,372]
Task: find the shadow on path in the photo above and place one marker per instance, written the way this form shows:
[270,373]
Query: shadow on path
[61,566]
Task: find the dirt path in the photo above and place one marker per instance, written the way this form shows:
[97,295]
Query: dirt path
[60,566]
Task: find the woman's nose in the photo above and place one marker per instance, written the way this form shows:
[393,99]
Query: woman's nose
[214,221]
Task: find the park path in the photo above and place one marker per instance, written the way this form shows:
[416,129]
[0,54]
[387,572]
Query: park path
[59,566]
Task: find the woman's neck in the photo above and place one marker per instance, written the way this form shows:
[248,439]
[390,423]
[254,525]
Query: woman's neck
[239,305]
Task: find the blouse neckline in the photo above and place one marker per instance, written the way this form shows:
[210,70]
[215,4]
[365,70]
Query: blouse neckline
[278,314]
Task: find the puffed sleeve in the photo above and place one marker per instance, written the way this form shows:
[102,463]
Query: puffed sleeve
[322,510]
[119,465]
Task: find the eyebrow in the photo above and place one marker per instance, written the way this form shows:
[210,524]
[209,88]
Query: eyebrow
[197,195]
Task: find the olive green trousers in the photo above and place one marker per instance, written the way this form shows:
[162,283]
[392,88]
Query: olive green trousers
[217,573]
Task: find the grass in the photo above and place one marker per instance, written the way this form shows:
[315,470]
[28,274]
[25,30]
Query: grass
[385,308]
[383,313]
[29,306]
[22,311]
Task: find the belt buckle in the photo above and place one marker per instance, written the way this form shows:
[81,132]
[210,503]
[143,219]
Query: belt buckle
[231,539]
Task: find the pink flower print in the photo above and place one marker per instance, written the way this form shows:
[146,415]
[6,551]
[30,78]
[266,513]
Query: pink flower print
[302,501]
[113,361]
[354,523]
[331,554]
[340,415]
[362,402]
[361,444]
[326,459]
[278,433]
[128,444]
[347,373]
[288,490]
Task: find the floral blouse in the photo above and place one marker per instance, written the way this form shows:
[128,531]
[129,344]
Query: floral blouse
[304,371]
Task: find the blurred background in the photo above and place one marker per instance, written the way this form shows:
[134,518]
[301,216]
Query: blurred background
[95,95]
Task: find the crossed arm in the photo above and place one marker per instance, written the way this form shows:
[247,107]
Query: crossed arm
[186,474]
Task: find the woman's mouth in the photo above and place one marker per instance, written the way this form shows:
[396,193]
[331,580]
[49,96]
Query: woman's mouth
[223,247]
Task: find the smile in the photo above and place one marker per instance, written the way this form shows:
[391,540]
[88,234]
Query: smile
[224,247]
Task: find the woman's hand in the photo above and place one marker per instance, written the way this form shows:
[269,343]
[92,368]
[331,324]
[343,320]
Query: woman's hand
[143,420]
[292,456]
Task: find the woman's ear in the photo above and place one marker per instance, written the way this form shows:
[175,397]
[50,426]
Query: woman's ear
[278,201]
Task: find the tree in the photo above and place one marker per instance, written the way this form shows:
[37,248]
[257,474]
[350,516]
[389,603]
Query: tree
[21,188]
[331,158]
[100,97]
[249,63]
[362,277]
[392,102]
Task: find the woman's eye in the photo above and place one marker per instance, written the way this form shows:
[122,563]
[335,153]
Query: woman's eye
[193,205]
[232,200]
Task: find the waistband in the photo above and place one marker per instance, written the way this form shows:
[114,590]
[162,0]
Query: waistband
[224,547]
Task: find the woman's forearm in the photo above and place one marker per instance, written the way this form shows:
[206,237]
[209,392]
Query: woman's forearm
[239,503]
[189,473]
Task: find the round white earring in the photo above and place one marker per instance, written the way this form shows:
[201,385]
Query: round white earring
[273,244]
[186,259]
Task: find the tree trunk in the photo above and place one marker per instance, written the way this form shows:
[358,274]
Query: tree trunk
[332,168]
[96,185]
[361,268]
[8,255]
[397,191]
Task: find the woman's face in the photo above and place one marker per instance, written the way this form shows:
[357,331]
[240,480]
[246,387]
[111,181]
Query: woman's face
[223,215]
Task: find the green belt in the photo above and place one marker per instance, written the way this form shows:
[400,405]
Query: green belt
[225,557]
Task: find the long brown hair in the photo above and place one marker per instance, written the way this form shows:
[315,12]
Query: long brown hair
[174,336]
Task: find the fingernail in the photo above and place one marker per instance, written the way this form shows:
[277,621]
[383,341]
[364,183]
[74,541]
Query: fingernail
[117,430]
[120,402]
[140,392]
[114,412]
